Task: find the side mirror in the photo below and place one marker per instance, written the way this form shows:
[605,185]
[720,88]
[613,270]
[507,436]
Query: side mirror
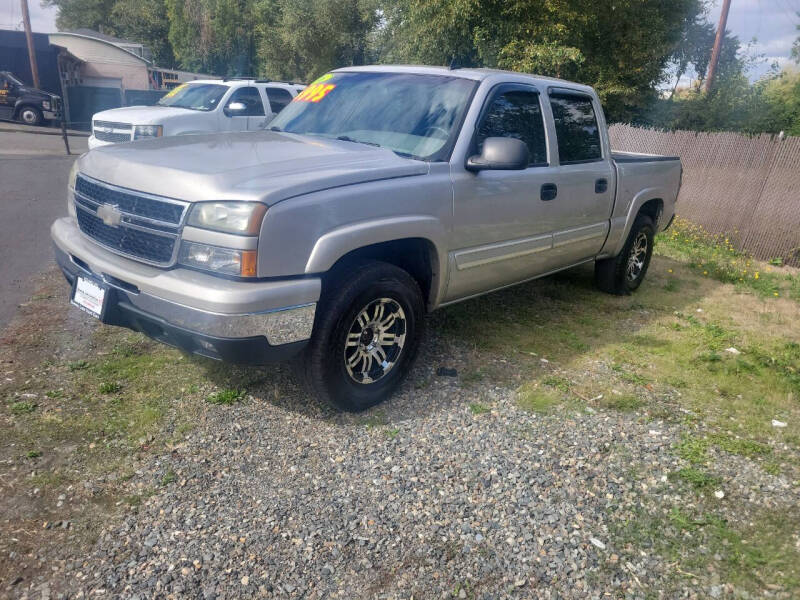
[234,109]
[500,153]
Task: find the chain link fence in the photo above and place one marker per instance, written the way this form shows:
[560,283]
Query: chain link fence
[745,187]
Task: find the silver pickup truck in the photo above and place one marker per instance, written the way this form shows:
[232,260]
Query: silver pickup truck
[378,194]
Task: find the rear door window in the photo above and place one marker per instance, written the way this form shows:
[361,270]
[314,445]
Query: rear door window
[278,98]
[250,97]
[516,114]
[576,129]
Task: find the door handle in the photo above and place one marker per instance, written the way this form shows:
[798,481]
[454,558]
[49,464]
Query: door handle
[601,186]
[548,192]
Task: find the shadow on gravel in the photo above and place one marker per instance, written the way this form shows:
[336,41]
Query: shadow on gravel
[498,338]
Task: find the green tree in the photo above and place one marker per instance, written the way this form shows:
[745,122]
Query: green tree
[145,21]
[213,36]
[76,14]
[302,39]
[621,49]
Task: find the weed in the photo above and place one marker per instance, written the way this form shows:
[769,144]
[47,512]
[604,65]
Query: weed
[476,408]
[78,365]
[226,397]
[692,449]
[695,477]
[34,453]
[559,383]
[109,387]
[22,407]
[393,432]
[169,477]
[55,394]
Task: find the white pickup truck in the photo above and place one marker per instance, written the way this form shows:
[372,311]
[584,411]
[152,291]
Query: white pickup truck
[377,194]
[202,106]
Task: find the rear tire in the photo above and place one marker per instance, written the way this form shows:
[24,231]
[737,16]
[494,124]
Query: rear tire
[30,115]
[366,336]
[623,274]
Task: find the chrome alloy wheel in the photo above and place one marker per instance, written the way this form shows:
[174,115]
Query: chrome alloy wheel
[375,340]
[637,256]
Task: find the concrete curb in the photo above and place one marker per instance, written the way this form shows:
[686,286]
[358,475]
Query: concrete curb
[57,132]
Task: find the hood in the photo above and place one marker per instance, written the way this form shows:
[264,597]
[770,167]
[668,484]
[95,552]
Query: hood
[263,166]
[142,115]
[29,91]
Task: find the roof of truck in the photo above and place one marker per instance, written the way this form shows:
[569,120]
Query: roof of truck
[466,73]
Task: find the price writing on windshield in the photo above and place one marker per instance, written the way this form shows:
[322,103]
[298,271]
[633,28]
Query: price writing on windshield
[315,92]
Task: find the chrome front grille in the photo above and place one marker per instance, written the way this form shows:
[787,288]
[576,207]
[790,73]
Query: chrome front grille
[134,224]
[109,131]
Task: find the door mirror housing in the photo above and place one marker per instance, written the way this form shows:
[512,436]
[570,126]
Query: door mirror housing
[235,109]
[500,153]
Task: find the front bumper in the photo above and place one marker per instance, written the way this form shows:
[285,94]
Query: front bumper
[276,322]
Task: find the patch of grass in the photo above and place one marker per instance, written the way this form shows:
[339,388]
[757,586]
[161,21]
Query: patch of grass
[55,394]
[698,479]
[392,433]
[476,408]
[109,387]
[22,407]
[740,446]
[78,365]
[695,450]
[717,257]
[692,449]
[559,383]
[34,453]
[697,542]
[225,397]
[538,399]
[622,402]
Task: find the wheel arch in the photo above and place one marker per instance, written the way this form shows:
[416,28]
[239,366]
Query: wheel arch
[649,202]
[419,251]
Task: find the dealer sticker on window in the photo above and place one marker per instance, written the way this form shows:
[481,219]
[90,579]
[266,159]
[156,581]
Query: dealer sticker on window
[317,90]
[89,296]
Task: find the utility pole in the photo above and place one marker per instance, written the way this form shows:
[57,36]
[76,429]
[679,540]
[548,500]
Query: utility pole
[712,66]
[26,20]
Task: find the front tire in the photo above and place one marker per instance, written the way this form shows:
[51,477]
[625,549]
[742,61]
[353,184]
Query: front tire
[624,273]
[367,334]
[30,115]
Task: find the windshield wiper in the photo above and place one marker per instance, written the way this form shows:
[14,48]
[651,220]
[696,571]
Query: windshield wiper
[275,128]
[346,138]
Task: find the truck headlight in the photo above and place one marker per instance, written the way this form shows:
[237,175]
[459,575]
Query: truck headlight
[147,131]
[73,177]
[243,218]
[228,261]
[46,104]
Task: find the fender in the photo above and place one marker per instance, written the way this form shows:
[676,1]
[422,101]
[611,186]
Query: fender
[334,244]
[621,225]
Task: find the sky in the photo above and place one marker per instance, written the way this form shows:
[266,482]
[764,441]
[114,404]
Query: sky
[771,22]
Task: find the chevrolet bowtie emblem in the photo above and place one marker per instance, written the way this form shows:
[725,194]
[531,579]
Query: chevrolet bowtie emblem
[110,214]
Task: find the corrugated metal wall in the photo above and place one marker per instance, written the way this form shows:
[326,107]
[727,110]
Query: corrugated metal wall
[746,187]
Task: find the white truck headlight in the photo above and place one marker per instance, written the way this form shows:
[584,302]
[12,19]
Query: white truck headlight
[147,131]
[46,104]
[227,261]
[243,218]
[73,177]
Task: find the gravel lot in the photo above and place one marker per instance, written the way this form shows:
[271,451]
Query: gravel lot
[450,490]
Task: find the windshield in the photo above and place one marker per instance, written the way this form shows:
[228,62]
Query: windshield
[195,96]
[13,79]
[412,115]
